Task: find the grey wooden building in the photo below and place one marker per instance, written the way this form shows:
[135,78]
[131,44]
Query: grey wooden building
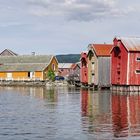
[99,65]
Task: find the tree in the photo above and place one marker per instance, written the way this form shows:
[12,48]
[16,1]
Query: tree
[51,75]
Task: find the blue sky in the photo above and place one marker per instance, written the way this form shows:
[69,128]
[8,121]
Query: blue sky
[65,26]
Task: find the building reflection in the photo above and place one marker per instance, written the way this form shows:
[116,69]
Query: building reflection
[49,94]
[117,115]
[43,93]
[126,115]
[95,109]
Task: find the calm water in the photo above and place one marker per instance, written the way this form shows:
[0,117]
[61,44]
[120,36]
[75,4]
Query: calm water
[67,114]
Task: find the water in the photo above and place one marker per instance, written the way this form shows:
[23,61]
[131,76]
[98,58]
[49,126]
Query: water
[67,114]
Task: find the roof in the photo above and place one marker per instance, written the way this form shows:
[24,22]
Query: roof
[65,65]
[78,64]
[130,43]
[26,59]
[8,52]
[102,49]
[22,67]
[25,63]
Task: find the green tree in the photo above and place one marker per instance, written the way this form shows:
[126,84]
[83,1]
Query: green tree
[51,75]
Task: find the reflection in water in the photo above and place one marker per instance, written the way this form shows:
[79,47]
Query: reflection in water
[67,113]
[96,112]
[118,118]
[37,92]
[126,115]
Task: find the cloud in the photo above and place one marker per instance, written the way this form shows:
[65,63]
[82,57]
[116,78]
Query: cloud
[79,10]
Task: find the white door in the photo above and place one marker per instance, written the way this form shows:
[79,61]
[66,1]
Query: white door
[31,75]
[9,76]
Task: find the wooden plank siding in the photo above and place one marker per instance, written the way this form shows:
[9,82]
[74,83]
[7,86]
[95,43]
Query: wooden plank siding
[52,66]
[119,64]
[99,65]
[104,71]
[21,76]
[84,69]
[93,70]
[134,77]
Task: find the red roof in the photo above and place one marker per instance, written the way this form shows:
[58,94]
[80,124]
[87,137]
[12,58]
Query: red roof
[102,49]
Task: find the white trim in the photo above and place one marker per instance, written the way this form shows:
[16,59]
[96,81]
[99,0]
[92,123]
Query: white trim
[51,61]
[128,68]
[137,59]
[137,72]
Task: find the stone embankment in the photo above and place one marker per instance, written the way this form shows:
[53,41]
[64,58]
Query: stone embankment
[34,83]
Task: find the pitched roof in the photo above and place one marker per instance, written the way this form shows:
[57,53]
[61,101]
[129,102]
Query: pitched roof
[8,52]
[26,59]
[25,63]
[65,65]
[73,66]
[22,67]
[130,43]
[102,49]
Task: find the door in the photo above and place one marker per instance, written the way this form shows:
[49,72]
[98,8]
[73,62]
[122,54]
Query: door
[9,76]
[30,75]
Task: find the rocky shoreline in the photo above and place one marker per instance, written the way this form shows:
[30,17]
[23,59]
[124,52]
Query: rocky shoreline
[34,83]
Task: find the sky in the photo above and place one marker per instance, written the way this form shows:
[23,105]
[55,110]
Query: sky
[65,26]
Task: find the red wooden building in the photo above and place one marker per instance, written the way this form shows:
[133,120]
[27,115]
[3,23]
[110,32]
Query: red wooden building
[125,64]
[84,69]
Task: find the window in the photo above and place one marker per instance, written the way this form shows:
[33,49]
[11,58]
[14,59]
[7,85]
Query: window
[138,59]
[117,51]
[119,57]
[137,71]
[118,72]
[90,54]
[84,63]
[53,67]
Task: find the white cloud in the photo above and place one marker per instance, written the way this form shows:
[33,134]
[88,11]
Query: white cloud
[79,10]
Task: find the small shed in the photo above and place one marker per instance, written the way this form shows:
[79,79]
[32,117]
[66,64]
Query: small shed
[125,63]
[27,67]
[99,65]
[84,69]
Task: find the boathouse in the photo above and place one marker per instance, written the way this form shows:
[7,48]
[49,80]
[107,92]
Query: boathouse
[125,64]
[99,65]
[65,69]
[75,72]
[27,67]
[84,69]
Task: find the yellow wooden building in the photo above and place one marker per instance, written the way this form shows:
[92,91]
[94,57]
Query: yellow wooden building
[27,67]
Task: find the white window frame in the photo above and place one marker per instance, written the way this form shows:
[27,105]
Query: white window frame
[137,71]
[138,59]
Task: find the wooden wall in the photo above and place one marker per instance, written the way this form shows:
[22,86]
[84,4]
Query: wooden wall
[104,71]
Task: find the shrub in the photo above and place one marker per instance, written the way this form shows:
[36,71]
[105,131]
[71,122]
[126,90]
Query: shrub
[51,75]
